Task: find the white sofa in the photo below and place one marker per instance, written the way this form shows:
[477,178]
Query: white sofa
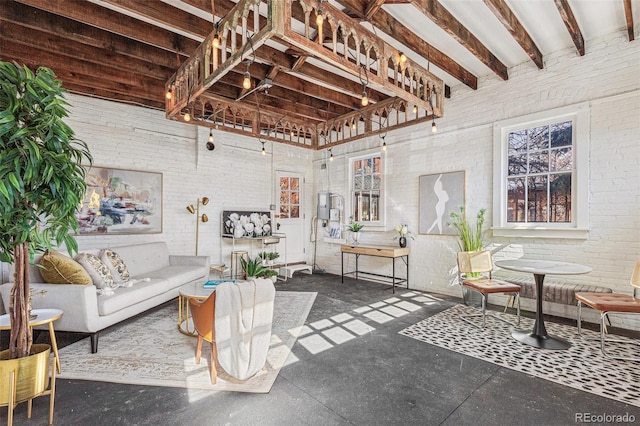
[86,311]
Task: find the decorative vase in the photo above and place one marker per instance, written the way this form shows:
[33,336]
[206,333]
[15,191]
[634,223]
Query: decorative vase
[402,241]
[356,237]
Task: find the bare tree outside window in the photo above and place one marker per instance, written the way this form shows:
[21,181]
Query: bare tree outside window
[540,169]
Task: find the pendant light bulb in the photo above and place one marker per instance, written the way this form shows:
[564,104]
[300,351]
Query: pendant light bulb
[246,83]
[384,145]
[211,135]
[168,94]
[415,109]
[353,125]
[365,100]
[330,155]
[403,58]
[216,40]
[434,127]
[319,18]
[187,115]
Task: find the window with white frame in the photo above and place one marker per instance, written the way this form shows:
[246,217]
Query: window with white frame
[540,175]
[366,189]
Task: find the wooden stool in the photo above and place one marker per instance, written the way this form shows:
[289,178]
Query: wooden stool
[236,266]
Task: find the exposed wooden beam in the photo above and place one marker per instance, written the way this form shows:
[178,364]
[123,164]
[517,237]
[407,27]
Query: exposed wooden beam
[445,20]
[572,25]
[392,27]
[513,25]
[372,8]
[628,13]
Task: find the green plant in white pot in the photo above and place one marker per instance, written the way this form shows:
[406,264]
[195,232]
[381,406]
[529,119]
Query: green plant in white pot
[42,181]
[252,268]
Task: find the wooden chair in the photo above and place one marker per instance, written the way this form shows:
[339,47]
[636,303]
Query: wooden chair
[472,262]
[611,303]
[203,316]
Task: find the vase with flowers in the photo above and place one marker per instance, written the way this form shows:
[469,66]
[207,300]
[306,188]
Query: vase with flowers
[402,232]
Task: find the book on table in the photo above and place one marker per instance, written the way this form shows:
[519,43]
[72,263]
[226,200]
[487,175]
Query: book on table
[214,283]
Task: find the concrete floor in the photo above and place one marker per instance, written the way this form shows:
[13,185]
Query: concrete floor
[379,378]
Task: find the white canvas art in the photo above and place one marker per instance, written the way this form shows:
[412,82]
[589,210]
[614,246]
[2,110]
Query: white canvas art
[440,194]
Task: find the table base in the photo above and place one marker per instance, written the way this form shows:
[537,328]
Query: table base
[542,342]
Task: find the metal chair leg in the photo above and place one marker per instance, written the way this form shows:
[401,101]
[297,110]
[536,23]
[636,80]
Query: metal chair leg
[604,315]
[484,314]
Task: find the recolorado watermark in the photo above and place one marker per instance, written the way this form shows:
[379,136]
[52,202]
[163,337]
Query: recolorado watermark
[604,418]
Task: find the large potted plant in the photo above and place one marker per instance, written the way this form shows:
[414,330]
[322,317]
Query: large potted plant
[470,238]
[41,184]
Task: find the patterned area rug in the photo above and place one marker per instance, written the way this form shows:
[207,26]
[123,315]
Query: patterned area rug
[151,351]
[582,366]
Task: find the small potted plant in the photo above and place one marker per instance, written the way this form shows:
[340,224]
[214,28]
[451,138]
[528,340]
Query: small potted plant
[355,229]
[271,274]
[272,257]
[264,256]
[252,268]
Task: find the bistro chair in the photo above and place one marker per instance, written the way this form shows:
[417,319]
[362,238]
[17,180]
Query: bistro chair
[479,262]
[611,303]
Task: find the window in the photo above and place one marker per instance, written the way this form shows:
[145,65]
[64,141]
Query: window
[366,189]
[540,178]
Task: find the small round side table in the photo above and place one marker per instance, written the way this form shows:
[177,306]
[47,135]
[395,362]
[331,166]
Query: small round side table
[43,316]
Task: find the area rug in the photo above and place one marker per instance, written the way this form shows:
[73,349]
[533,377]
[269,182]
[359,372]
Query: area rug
[150,350]
[582,366]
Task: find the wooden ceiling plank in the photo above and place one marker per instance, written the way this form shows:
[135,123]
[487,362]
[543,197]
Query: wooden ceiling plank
[572,25]
[515,28]
[86,90]
[628,13]
[372,8]
[73,49]
[40,20]
[445,20]
[392,27]
[97,16]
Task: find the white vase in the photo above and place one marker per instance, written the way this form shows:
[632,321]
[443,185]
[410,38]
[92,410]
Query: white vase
[355,236]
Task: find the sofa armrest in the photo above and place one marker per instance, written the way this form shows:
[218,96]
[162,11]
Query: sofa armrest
[189,260]
[79,304]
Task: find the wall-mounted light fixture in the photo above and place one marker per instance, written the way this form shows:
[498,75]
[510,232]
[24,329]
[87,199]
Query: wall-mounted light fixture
[196,210]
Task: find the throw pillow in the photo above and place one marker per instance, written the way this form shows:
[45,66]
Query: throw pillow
[56,268]
[116,266]
[98,271]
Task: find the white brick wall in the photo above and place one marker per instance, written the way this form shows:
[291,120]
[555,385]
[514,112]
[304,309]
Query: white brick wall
[235,175]
[607,78]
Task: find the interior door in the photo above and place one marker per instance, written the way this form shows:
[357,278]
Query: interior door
[290,216]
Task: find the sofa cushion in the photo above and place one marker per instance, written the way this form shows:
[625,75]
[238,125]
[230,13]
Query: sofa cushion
[60,269]
[142,259]
[96,269]
[125,297]
[116,266]
[177,275]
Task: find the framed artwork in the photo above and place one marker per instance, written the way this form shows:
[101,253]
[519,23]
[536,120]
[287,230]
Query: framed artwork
[119,201]
[440,194]
[246,224]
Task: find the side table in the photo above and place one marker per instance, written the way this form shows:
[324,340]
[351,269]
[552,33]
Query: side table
[43,316]
[193,291]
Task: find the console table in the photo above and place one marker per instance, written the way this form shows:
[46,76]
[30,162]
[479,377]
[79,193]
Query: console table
[391,252]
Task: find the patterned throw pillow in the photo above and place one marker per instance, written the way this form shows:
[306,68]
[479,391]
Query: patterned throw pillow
[98,271]
[56,268]
[116,266]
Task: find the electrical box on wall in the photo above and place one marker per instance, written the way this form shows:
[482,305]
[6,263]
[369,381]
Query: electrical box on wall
[323,206]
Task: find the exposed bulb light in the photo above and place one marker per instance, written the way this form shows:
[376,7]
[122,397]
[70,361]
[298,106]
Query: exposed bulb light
[263,150]
[434,127]
[211,135]
[384,145]
[168,94]
[353,125]
[187,115]
[330,155]
[403,58]
[319,17]
[365,100]
[216,40]
[415,109]
[246,82]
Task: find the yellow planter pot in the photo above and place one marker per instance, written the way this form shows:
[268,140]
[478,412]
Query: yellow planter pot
[23,379]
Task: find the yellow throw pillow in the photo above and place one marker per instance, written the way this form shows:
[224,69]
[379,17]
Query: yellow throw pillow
[57,268]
